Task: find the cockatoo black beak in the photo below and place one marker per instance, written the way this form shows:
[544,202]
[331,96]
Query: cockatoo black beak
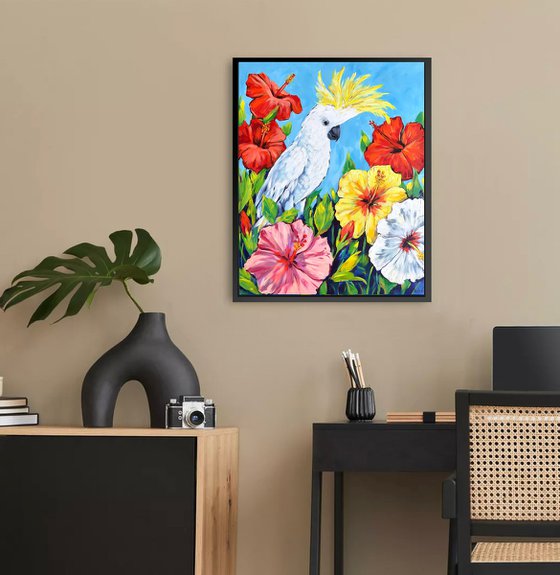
[334,133]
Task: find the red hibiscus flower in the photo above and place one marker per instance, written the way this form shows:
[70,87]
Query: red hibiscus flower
[245,223]
[400,147]
[267,96]
[259,144]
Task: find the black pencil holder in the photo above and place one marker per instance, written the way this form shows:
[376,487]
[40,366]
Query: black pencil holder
[360,404]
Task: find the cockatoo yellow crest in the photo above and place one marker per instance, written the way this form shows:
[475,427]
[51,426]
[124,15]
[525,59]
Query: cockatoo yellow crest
[351,93]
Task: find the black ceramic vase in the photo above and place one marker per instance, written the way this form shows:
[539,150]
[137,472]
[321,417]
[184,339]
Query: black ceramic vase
[147,355]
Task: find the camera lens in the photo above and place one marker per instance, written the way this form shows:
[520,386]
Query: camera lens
[195,418]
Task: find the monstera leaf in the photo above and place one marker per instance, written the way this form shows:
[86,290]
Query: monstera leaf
[83,274]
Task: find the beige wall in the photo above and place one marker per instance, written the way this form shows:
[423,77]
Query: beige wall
[116,114]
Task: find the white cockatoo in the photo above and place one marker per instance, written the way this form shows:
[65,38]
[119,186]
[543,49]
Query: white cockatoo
[303,165]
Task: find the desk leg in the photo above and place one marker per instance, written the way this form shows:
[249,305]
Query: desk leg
[315,551]
[338,523]
[452,552]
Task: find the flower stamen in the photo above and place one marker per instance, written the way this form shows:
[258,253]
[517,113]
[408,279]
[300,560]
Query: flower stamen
[411,243]
[290,258]
[289,79]
[369,201]
[419,254]
[264,132]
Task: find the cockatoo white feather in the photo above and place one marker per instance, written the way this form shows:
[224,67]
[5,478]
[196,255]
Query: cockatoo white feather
[304,164]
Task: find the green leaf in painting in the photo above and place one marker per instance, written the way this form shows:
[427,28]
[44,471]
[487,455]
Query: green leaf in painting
[324,215]
[334,196]
[372,281]
[348,164]
[420,118]
[341,276]
[245,190]
[365,141]
[270,209]
[287,128]
[385,286]
[243,273]
[242,115]
[246,282]
[405,286]
[250,241]
[267,119]
[353,247]
[414,188]
[308,208]
[323,288]
[352,289]
[251,211]
[289,216]
[340,244]
[257,181]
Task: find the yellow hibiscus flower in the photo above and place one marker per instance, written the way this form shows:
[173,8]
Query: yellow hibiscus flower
[366,198]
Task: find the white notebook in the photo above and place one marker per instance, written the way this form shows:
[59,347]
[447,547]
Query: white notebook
[19,419]
[12,410]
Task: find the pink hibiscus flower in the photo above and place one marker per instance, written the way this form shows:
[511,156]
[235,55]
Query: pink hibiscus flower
[290,260]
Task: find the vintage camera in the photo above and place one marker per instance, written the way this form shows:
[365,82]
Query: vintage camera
[190,412]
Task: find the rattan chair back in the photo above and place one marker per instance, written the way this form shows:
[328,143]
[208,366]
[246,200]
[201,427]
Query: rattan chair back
[514,463]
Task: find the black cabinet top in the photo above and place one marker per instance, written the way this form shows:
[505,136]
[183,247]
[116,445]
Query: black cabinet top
[378,426]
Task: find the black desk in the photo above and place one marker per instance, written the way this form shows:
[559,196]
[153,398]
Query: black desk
[375,446]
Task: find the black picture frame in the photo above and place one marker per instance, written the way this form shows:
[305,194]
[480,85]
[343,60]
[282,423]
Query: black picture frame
[427,296]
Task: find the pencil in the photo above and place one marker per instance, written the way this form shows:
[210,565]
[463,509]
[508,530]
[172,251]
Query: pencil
[352,384]
[354,368]
[360,370]
[351,371]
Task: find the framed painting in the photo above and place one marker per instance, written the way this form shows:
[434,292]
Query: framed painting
[332,177]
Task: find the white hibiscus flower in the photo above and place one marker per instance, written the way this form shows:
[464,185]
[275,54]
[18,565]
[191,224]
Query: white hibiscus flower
[398,251]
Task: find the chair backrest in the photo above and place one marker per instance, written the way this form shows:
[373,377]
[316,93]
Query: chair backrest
[514,463]
[508,464]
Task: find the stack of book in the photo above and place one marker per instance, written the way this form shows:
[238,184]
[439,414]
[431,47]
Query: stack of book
[15,411]
[421,417]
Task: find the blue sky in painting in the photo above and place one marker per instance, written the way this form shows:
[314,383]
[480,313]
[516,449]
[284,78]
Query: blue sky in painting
[402,81]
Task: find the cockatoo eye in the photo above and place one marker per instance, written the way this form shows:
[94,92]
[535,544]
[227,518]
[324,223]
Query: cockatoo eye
[325,122]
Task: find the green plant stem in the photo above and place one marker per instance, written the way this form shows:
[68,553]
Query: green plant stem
[130,296]
[369,287]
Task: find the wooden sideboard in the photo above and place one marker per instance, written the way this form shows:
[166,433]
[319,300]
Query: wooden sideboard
[118,501]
